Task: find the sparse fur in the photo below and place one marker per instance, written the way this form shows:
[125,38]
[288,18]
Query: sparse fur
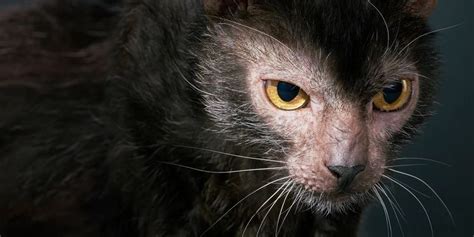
[105,104]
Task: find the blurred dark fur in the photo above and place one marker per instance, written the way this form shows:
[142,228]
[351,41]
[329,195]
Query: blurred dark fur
[53,145]
[79,154]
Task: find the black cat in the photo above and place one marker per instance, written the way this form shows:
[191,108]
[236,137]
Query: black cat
[206,117]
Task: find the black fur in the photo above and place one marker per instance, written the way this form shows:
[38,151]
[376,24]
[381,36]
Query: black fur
[84,156]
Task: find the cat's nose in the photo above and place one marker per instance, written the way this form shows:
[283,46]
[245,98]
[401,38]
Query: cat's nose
[345,175]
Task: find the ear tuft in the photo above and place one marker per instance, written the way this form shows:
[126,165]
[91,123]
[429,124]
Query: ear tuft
[422,8]
[225,7]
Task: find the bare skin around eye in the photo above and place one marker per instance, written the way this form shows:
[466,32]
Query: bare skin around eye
[151,118]
[331,132]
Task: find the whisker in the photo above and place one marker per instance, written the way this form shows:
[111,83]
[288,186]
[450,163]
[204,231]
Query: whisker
[430,188]
[231,155]
[295,200]
[426,34]
[281,209]
[413,189]
[300,199]
[394,208]
[422,159]
[418,200]
[235,23]
[242,200]
[409,165]
[221,172]
[385,210]
[260,208]
[287,184]
[397,204]
[192,85]
[386,27]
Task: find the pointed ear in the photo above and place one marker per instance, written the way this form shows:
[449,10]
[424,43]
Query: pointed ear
[422,8]
[225,7]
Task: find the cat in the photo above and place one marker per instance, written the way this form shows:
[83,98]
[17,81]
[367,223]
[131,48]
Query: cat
[206,117]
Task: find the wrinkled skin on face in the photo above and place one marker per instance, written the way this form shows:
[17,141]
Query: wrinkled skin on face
[161,124]
[340,126]
[331,131]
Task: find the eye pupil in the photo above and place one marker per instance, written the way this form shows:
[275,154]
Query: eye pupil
[392,93]
[394,96]
[287,92]
[285,96]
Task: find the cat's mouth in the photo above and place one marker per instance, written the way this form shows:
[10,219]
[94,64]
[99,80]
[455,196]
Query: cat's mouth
[332,203]
[328,191]
[335,182]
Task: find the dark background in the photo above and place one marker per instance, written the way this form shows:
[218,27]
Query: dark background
[448,137]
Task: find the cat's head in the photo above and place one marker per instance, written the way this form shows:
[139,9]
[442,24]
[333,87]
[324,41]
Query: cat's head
[328,89]
[316,95]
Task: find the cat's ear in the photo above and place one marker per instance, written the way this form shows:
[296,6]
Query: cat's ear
[422,8]
[226,7]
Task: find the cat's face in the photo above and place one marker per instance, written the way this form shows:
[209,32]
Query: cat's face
[329,89]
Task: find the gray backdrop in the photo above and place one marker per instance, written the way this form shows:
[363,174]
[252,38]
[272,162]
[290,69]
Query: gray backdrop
[448,137]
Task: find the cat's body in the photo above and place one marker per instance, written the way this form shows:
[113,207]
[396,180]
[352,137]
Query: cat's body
[101,121]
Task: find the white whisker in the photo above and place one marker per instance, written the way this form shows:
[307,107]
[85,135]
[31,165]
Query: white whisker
[286,185]
[191,84]
[397,204]
[424,35]
[421,159]
[413,189]
[260,208]
[241,200]
[418,200]
[281,209]
[222,172]
[234,24]
[430,188]
[385,210]
[394,208]
[295,200]
[231,155]
[386,27]
[408,165]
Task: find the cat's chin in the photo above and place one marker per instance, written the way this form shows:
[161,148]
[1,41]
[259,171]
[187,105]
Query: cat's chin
[333,204]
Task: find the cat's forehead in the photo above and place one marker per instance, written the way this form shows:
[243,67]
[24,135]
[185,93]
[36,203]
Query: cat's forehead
[357,48]
[362,37]
[355,33]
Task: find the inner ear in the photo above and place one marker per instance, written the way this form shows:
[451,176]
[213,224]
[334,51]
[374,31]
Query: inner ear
[422,8]
[225,7]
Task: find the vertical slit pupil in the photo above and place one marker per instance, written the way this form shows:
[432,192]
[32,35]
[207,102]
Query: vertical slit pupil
[393,92]
[287,91]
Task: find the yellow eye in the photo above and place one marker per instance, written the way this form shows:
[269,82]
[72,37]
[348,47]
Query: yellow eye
[286,96]
[394,96]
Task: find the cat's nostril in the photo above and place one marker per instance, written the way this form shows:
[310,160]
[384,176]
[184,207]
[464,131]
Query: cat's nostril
[345,175]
